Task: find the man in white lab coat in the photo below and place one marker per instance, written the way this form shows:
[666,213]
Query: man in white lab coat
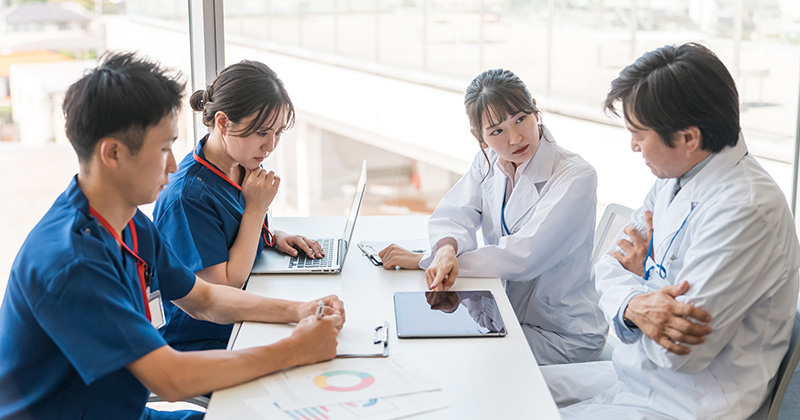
[703,287]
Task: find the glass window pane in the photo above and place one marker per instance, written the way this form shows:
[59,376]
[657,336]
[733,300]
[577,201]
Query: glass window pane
[566,52]
[44,48]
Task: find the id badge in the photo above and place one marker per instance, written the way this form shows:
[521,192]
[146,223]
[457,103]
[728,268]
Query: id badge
[156,310]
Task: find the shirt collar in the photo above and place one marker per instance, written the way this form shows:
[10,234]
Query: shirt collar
[76,197]
[202,154]
[683,179]
[199,148]
[507,168]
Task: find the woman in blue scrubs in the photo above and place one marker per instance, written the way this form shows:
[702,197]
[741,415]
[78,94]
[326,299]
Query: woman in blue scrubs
[213,211]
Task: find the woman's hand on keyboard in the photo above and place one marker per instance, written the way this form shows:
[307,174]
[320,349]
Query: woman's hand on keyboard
[289,244]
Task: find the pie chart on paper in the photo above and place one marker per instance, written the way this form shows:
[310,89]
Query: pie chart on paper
[344,380]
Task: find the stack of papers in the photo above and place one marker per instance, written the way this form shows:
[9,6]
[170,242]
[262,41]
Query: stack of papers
[378,389]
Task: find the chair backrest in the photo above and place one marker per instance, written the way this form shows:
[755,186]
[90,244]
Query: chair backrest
[614,218]
[786,369]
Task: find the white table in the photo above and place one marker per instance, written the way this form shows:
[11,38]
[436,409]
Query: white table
[482,378]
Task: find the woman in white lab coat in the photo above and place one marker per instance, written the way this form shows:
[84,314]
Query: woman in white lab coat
[535,205]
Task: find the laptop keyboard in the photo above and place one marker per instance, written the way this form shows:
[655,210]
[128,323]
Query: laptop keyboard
[302,260]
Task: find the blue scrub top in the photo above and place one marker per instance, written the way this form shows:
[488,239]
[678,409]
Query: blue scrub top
[198,214]
[73,317]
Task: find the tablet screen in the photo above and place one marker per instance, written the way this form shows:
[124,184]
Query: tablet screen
[471,313]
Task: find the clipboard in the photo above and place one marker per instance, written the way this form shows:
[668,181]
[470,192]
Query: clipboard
[370,252]
[354,342]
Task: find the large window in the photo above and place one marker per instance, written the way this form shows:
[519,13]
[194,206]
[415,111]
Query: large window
[383,80]
[44,48]
[423,53]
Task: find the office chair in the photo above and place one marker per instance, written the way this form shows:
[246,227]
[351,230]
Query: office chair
[614,218]
[786,369]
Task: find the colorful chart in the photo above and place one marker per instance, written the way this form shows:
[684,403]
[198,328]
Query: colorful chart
[311,413]
[367,403]
[321,381]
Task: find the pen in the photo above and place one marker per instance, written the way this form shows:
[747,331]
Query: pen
[320,305]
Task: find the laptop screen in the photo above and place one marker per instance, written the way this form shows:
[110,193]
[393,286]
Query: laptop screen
[354,209]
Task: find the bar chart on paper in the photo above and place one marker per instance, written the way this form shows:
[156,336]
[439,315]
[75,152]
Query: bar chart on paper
[374,408]
[312,413]
[368,408]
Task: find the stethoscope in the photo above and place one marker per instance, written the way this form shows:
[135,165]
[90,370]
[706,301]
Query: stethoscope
[662,271]
[506,230]
[503,215]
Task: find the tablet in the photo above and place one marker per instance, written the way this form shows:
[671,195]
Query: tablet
[469,313]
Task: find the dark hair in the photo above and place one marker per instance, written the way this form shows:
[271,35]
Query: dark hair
[673,88]
[497,93]
[240,90]
[120,98]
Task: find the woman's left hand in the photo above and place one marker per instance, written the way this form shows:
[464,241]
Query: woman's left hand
[289,244]
[395,256]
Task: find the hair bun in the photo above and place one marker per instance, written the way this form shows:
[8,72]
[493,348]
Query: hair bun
[198,100]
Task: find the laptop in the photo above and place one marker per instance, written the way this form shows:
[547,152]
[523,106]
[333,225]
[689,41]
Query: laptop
[335,249]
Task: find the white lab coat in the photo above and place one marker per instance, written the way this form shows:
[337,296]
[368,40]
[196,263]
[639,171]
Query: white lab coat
[739,252]
[546,260]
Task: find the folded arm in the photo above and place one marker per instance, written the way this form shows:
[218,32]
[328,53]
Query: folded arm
[729,267]
[687,324]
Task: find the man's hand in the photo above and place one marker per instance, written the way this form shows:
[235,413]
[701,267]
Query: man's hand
[394,256]
[333,306]
[289,244]
[315,339]
[635,250]
[665,320]
[442,273]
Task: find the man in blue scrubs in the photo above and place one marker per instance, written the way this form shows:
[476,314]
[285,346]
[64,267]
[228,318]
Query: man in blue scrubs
[78,321]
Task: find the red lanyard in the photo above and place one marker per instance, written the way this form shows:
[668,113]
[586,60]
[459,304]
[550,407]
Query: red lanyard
[268,238]
[141,266]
